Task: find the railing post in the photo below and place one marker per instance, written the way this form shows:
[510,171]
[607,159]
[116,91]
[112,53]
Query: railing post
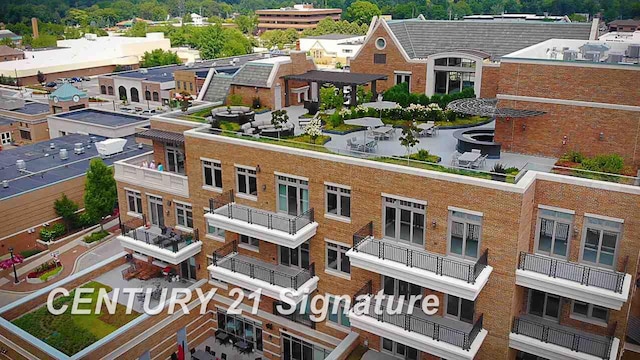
[545,334]
[211,205]
[382,247]
[471,274]
[438,266]
[516,326]
[523,257]
[233,265]
[553,267]
[251,271]
[269,221]
[575,343]
[271,277]
[249,217]
[436,332]
[229,211]
[585,276]
[407,322]
[409,258]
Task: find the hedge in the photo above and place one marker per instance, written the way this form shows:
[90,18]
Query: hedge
[96,236]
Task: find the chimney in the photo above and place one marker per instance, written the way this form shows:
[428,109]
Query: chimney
[298,62]
[34,26]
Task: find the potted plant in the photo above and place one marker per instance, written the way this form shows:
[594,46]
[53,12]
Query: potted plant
[498,172]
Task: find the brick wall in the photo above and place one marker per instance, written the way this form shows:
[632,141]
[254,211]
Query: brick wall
[490,81]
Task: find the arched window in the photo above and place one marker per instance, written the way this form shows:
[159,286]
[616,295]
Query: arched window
[103,90]
[110,90]
[134,95]
[122,93]
[147,95]
[156,97]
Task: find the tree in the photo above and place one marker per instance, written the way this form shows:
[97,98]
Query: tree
[331,98]
[159,57]
[577,18]
[184,99]
[209,40]
[41,77]
[7,42]
[66,209]
[138,29]
[246,23]
[279,118]
[362,12]
[409,138]
[100,194]
[279,38]
[313,129]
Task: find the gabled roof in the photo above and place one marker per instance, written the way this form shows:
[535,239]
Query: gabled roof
[6,51]
[66,92]
[421,38]
[253,74]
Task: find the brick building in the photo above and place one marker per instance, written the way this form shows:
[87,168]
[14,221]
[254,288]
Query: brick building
[23,121]
[9,54]
[298,17]
[628,25]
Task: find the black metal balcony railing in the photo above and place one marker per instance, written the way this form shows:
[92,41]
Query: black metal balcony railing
[363,241]
[561,337]
[256,271]
[580,273]
[303,319]
[272,221]
[165,238]
[426,327]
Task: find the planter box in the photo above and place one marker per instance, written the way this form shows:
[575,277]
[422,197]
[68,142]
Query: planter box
[38,281]
[95,243]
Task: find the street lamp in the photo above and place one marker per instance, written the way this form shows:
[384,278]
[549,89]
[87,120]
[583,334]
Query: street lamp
[13,263]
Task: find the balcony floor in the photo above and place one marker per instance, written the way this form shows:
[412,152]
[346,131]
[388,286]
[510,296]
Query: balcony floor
[566,328]
[270,266]
[240,212]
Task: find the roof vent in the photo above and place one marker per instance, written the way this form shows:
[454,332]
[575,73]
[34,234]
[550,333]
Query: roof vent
[143,71]
[52,145]
[110,146]
[633,51]
[569,55]
[64,155]
[5,184]
[592,56]
[78,148]
[21,165]
[615,58]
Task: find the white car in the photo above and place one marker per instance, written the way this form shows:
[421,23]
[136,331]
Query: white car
[149,112]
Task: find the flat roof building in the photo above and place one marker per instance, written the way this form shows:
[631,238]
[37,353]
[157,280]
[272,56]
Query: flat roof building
[93,121]
[25,121]
[298,17]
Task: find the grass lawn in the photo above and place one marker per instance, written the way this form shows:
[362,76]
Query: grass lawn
[472,120]
[50,273]
[229,126]
[203,112]
[342,127]
[72,333]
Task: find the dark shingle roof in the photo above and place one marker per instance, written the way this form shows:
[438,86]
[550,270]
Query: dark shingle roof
[252,74]
[421,38]
[161,135]
[218,88]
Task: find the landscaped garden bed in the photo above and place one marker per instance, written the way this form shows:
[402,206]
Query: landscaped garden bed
[44,272]
[31,252]
[601,167]
[96,236]
[72,333]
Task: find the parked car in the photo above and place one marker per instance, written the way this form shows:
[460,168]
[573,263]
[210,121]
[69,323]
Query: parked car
[86,78]
[51,84]
[149,112]
[76,79]
[127,109]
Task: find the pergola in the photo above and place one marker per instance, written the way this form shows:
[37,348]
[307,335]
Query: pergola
[488,108]
[337,78]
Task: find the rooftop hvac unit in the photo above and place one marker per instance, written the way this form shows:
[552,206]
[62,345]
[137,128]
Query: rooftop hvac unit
[21,165]
[78,148]
[615,58]
[569,55]
[5,184]
[633,51]
[110,146]
[92,139]
[592,56]
[52,146]
[64,155]
[143,71]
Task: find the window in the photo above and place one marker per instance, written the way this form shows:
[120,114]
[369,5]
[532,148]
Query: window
[381,43]
[394,287]
[214,231]
[298,257]
[544,304]
[338,201]
[247,182]
[338,317]
[600,241]
[178,84]
[404,220]
[103,90]
[110,90]
[191,87]
[297,349]
[212,171]
[461,309]
[135,201]
[147,95]
[403,78]
[249,241]
[589,311]
[399,350]
[464,234]
[379,58]
[293,195]
[241,328]
[5,138]
[175,159]
[554,228]
[25,134]
[184,215]
[156,97]
[135,97]
[337,258]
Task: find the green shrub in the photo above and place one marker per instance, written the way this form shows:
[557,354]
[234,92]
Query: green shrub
[335,120]
[50,273]
[450,115]
[28,253]
[235,100]
[612,164]
[96,236]
[574,156]
[499,169]
[52,232]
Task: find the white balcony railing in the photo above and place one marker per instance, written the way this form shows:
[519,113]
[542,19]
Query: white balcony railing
[131,171]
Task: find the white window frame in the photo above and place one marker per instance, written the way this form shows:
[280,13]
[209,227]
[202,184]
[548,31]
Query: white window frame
[384,44]
[588,318]
[406,76]
[300,184]
[339,315]
[339,191]
[466,220]
[606,224]
[186,208]
[341,250]
[5,138]
[252,243]
[213,166]
[136,195]
[401,203]
[247,172]
[459,308]
[560,216]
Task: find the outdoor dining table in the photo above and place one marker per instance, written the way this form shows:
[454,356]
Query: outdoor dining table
[426,126]
[243,346]
[469,157]
[223,337]
[202,355]
[384,131]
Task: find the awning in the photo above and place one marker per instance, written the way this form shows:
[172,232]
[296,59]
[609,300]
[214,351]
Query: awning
[365,121]
[488,107]
[163,136]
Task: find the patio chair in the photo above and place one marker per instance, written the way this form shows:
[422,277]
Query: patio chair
[371,146]
[476,151]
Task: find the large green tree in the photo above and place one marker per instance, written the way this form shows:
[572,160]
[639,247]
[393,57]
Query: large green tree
[100,194]
[66,209]
[159,57]
[361,12]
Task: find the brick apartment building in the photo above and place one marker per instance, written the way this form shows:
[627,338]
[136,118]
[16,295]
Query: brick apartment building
[298,17]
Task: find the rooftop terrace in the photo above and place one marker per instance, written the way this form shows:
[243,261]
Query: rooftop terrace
[582,51]
[104,118]
[44,166]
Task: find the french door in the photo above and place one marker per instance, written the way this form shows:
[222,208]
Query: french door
[156,212]
[544,305]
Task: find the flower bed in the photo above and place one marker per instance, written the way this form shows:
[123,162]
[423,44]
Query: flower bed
[43,272]
[96,236]
[601,167]
[51,274]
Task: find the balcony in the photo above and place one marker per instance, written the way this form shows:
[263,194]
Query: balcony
[591,284]
[172,247]
[252,274]
[550,340]
[276,228]
[131,171]
[436,335]
[438,272]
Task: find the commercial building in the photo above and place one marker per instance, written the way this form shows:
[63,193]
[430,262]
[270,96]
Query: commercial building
[440,57]
[298,17]
[91,121]
[331,50]
[9,54]
[88,56]
[29,189]
[23,121]
[628,25]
